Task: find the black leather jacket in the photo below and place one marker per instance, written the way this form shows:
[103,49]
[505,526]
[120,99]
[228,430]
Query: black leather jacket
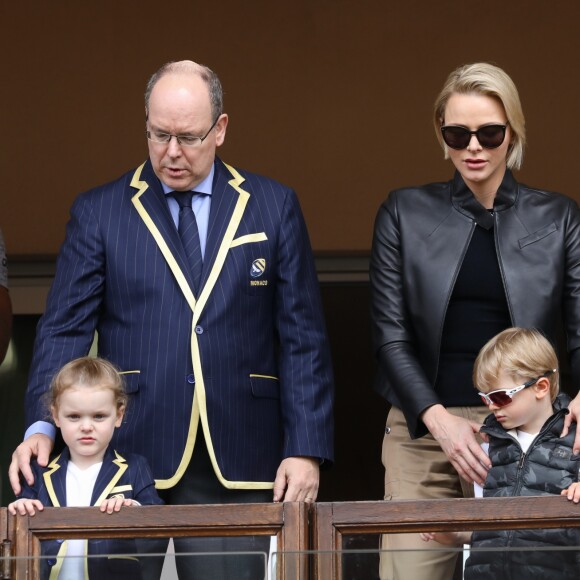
[420,238]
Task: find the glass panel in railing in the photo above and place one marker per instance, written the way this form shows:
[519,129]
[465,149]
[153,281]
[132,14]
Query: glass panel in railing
[213,558]
[138,566]
[144,558]
[513,563]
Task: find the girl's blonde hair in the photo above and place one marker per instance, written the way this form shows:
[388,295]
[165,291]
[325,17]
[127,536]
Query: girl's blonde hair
[522,353]
[88,372]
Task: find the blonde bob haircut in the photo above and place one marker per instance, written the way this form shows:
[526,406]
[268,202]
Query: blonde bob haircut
[88,372]
[482,78]
[522,353]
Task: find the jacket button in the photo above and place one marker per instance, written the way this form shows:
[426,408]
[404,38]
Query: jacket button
[387,430]
[190,379]
[199,329]
[51,562]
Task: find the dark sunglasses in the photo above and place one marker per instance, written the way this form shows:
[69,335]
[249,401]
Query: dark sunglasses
[503,397]
[489,136]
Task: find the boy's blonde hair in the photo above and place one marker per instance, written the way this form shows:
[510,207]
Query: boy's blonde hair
[88,372]
[523,353]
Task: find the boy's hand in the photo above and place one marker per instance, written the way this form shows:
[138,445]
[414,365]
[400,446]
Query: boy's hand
[25,506]
[447,538]
[114,504]
[573,492]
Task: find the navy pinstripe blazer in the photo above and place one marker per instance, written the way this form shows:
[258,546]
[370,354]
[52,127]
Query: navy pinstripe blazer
[247,359]
[129,476]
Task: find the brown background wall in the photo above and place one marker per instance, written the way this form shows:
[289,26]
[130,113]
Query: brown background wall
[330,96]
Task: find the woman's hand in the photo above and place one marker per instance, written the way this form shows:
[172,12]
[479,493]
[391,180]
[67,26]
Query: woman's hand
[573,416]
[457,439]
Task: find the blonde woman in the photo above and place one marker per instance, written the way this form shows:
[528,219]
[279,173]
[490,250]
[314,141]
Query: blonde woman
[452,265]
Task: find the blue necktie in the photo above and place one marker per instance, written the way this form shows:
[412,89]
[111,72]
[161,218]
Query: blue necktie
[189,234]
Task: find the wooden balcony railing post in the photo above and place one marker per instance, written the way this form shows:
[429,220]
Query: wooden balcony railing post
[5,546]
[326,542]
[293,542]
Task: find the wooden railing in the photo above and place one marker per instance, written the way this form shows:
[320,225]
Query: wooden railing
[312,548]
[287,521]
[5,545]
[332,521]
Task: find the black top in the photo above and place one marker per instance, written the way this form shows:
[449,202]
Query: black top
[477,311]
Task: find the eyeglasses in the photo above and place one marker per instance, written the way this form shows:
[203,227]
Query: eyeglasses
[503,397]
[183,140]
[489,136]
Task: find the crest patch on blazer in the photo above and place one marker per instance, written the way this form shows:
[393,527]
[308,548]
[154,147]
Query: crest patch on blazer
[258,267]
[257,270]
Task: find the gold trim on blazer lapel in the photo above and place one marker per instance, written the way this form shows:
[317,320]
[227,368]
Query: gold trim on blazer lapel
[225,246]
[141,187]
[121,463]
[60,556]
[54,466]
[199,410]
[55,570]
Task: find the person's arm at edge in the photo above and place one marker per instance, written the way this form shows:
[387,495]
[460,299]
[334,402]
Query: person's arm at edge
[305,365]
[572,312]
[5,321]
[143,483]
[73,303]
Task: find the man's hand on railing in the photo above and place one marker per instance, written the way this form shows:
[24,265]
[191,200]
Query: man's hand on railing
[297,479]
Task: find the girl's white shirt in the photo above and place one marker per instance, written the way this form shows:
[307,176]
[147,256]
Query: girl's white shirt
[79,490]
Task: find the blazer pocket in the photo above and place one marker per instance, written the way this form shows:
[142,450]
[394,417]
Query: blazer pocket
[538,235]
[265,386]
[120,490]
[249,239]
[251,256]
[131,379]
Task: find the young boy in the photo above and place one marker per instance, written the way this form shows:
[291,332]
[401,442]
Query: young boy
[87,402]
[516,375]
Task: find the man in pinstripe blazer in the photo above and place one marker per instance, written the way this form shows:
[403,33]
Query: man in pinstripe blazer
[233,381]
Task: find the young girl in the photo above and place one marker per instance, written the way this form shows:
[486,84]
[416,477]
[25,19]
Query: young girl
[87,401]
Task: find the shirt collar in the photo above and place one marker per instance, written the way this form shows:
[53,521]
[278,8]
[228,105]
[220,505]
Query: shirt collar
[464,200]
[205,186]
